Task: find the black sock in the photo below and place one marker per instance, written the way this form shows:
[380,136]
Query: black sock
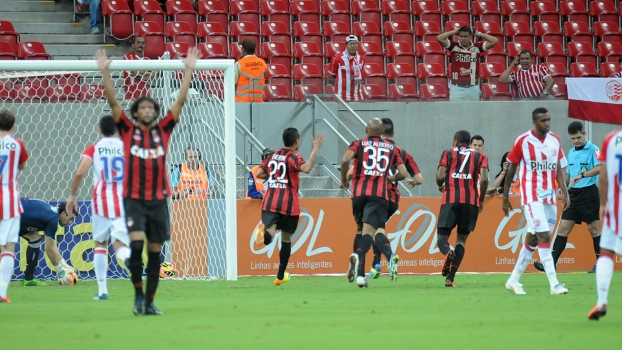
[596,242]
[376,256]
[32,258]
[136,267]
[455,264]
[153,277]
[286,251]
[383,244]
[443,244]
[357,239]
[361,251]
[558,248]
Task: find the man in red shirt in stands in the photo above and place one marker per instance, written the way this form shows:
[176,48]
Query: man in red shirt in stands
[347,70]
[533,82]
[137,82]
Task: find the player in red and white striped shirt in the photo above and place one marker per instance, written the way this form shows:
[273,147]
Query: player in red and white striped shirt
[13,157]
[533,82]
[540,159]
[347,70]
[106,157]
[610,183]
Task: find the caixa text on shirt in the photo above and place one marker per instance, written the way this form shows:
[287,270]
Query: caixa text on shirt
[465,58]
[542,166]
[149,153]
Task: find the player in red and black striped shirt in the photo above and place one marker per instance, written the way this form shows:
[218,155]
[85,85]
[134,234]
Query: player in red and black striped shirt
[146,184]
[280,209]
[373,158]
[458,171]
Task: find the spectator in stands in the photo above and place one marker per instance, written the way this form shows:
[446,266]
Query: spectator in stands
[618,74]
[465,58]
[249,74]
[256,188]
[137,82]
[533,82]
[95,12]
[497,184]
[347,70]
[191,180]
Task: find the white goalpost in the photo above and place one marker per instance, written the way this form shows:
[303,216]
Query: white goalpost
[58,105]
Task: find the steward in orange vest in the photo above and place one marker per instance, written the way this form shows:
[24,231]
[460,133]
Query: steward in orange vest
[191,180]
[250,71]
[256,187]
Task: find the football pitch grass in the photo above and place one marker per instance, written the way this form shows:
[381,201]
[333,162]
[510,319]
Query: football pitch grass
[316,313]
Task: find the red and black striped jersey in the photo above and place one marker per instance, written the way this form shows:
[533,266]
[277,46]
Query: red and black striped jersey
[463,166]
[145,158]
[283,170]
[411,166]
[373,159]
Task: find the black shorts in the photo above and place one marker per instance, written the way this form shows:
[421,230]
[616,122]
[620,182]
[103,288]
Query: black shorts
[584,205]
[463,215]
[391,209]
[285,223]
[152,217]
[370,210]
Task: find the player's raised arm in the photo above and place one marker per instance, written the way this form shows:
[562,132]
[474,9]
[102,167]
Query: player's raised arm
[72,202]
[509,176]
[189,62]
[307,166]
[103,62]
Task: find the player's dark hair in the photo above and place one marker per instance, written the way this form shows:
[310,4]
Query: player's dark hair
[248,45]
[62,207]
[462,136]
[107,125]
[290,135]
[503,160]
[136,104]
[477,137]
[540,110]
[525,52]
[465,29]
[7,120]
[575,127]
[387,123]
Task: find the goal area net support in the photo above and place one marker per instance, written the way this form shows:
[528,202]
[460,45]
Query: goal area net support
[58,105]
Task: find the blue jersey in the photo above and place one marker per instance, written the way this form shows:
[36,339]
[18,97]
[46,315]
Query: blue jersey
[38,216]
[581,161]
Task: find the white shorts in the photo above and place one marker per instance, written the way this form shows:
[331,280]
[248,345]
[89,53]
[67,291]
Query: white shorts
[104,228]
[540,217]
[610,241]
[9,230]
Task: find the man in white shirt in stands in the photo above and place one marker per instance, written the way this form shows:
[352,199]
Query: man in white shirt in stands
[533,82]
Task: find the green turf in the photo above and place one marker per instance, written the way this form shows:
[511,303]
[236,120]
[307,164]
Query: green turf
[316,313]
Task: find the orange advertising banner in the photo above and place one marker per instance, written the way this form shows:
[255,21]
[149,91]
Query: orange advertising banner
[325,235]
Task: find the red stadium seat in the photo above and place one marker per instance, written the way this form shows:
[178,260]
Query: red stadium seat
[607,31]
[277,93]
[6,52]
[118,20]
[367,10]
[604,11]
[154,37]
[398,31]
[31,90]
[558,91]
[496,54]
[574,10]
[183,11]
[276,52]
[518,31]
[301,91]
[515,11]
[396,10]
[275,11]
[400,52]
[432,73]
[486,11]
[212,50]
[401,73]
[433,92]
[308,31]
[336,31]
[581,70]
[214,11]
[245,11]
[403,93]
[427,31]
[330,89]
[558,71]
[430,52]
[372,52]
[552,52]
[545,11]
[578,31]
[308,74]
[332,49]
[213,32]
[177,49]
[240,31]
[180,32]
[456,11]
[32,50]
[609,52]
[514,48]
[375,93]
[336,10]
[374,74]
[581,52]
[90,92]
[548,32]
[308,53]
[368,30]
[608,69]
[149,10]
[305,11]
[496,92]
[278,74]
[276,31]
[9,35]
[427,11]
[63,92]
[235,50]
[490,28]
[490,72]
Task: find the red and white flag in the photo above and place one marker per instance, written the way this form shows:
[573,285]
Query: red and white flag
[595,99]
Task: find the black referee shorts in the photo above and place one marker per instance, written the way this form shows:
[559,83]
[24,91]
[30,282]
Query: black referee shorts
[584,205]
[370,210]
[285,223]
[463,215]
[151,217]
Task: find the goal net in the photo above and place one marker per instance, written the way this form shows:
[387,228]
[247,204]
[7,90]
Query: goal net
[58,105]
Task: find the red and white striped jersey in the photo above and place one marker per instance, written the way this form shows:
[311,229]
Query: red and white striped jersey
[537,166]
[530,81]
[465,62]
[12,154]
[611,156]
[348,72]
[108,174]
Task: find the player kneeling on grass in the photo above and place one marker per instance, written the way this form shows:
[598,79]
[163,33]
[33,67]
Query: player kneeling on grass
[39,216]
[106,157]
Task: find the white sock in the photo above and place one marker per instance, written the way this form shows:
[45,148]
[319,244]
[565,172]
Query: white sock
[524,258]
[604,273]
[6,271]
[101,268]
[544,250]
